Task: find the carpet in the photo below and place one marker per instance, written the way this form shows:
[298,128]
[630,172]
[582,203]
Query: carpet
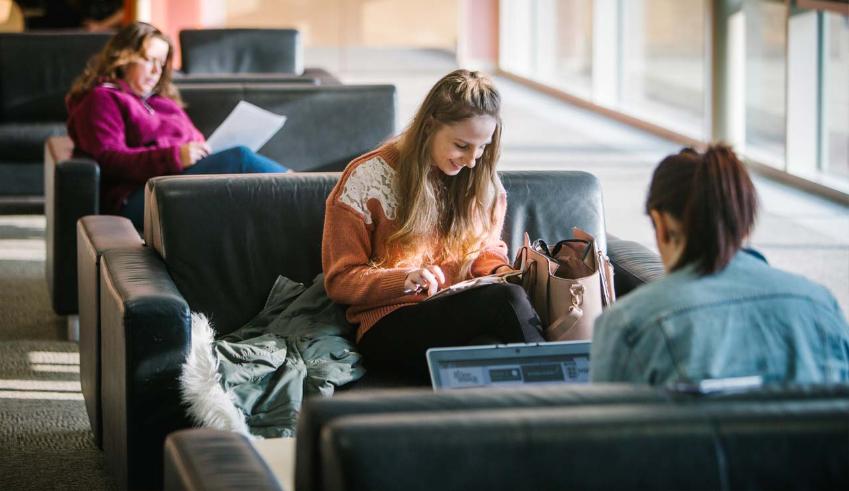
[45,438]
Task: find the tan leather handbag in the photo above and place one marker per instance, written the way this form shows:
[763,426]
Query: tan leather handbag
[568,284]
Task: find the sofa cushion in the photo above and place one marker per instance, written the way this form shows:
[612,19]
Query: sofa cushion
[21,179]
[225,239]
[24,142]
[241,51]
[36,91]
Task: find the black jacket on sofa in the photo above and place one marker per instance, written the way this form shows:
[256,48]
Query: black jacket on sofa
[215,244]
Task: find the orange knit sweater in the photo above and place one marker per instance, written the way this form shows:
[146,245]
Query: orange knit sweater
[359,218]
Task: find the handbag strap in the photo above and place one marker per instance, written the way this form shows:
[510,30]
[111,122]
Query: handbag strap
[605,270]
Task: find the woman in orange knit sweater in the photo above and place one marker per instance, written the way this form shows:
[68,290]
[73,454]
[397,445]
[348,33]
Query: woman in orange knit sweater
[418,214]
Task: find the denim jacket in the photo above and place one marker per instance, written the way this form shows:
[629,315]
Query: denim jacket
[748,319]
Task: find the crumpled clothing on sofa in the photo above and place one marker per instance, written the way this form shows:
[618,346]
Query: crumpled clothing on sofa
[298,345]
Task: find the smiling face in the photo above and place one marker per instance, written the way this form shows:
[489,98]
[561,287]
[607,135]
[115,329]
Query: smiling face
[143,75]
[461,144]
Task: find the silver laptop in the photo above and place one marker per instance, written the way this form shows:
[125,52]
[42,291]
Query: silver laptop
[509,364]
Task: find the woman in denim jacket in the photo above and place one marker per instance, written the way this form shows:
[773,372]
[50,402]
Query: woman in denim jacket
[721,311]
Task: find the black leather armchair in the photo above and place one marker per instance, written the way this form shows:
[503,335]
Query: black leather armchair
[603,436]
[238,50]
[246,55]
[215,244]
[32,106]
[327,126]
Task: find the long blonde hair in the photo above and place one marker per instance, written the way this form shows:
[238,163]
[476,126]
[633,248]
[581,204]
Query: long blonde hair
[447,218]
[125,47]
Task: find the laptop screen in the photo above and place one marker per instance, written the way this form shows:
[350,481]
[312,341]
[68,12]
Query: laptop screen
[512,364]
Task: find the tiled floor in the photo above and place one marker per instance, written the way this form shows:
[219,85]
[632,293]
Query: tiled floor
[796,231]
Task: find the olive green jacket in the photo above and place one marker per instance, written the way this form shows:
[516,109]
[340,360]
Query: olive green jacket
[298,345]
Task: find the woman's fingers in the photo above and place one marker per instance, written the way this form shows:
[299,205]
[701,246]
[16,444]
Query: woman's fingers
[429,282]
[428,279]
[437,273]
[200,150]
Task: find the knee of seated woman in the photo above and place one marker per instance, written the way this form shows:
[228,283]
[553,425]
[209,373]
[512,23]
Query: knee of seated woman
[512,310]
[241,151]
[253,162]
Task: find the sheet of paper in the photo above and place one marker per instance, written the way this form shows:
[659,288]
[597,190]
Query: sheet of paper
[248,125]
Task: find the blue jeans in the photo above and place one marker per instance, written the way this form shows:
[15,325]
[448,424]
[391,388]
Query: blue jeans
[236,160]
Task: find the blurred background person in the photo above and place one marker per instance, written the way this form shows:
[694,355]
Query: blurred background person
[124,112]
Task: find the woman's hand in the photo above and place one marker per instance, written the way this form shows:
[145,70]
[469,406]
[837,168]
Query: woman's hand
[191,152]
[425,280]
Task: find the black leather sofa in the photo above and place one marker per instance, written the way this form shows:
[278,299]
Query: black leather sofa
[246,55]
[327,126]
[32,95]
[36,70]
[238,50]
[602,436]
[215,244]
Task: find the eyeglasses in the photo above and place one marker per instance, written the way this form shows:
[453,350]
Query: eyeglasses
[151,63]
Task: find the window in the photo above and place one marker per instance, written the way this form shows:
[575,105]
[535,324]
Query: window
[571,63]
[765,80]
[516,46]
[835,106]
[782,93]
[663,63]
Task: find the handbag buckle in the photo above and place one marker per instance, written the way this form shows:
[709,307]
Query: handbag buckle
[577,292]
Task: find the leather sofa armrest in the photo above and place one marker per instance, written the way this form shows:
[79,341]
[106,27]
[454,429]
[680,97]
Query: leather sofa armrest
[71,191]
[311,75]
[145,336]
[96,234]
[633,264]
[245,78]
[323,76]
[204,459]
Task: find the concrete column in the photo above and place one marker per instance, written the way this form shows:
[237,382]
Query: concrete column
[726,52]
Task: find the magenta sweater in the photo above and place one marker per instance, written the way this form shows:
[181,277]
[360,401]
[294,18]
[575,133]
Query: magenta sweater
[131,139]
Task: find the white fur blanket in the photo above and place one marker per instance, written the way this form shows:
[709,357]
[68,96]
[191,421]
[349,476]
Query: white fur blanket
[200,383]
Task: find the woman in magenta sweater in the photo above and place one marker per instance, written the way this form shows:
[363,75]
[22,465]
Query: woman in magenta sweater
[124,112]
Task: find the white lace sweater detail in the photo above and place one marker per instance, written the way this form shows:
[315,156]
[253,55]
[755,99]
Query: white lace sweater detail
[373,179]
